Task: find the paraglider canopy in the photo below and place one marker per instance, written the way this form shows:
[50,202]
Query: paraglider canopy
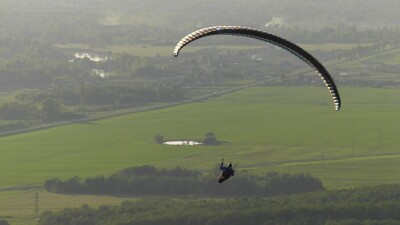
[273,39]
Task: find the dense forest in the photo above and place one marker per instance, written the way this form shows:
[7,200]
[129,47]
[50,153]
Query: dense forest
[149,180]
[378,205]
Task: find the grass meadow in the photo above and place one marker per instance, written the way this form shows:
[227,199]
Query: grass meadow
[285,129]
[18,207]
[264,128]
[365,65]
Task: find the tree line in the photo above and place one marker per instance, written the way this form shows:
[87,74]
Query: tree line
[376,205]
[51,105]
[153,181]
[80,22]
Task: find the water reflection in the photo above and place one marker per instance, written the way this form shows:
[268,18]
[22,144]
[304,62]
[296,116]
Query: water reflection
[182,143]
[100,73]
[92,57]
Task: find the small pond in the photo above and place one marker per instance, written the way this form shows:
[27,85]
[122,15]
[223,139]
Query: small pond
[182,143]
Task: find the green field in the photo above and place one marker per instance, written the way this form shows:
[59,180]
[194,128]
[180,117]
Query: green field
[18,207]
[364,65]
[260,127]
[286,129]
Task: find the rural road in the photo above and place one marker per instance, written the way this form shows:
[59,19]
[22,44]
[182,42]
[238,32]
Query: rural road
[133,110]
[22,187]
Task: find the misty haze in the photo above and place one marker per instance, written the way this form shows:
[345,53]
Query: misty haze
[180,112]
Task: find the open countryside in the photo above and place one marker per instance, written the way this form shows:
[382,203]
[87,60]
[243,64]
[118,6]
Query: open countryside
[357,146]
[91,98]
[283,125]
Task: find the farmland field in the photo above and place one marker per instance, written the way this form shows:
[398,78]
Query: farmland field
[259,126]
[18,207]
[285,129]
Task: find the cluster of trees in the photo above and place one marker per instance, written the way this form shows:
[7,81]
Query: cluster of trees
[49,105]
[210,139]
[37,66]
[378,205]
[337,34]
[153,181]
[46,111]
[366,50]
[80,22]
[159,139]
[110,94]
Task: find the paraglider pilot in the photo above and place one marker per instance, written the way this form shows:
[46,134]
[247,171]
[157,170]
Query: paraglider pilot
[227,171]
